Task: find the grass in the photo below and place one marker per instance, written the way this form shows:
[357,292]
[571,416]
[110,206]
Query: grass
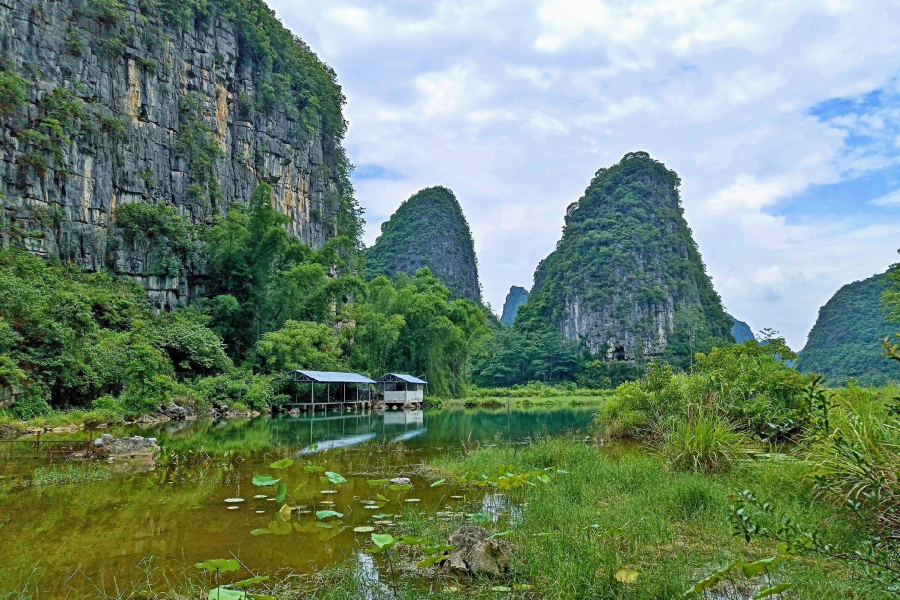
[69,473]
[704,442]
[536,390]
[9,424]
[476,401]
[631,511]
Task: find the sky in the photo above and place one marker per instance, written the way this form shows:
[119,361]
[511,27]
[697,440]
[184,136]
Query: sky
[781,118]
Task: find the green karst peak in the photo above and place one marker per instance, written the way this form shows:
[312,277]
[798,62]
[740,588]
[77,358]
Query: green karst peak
[428,230]
[627,277]
[516,297]
[845,342]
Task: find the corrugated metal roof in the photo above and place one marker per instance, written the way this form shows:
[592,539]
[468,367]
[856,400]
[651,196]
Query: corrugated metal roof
[335,377]
[403,377]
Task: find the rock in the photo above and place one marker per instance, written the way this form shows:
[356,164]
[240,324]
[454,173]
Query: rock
[103,440]
[133,447]
[176,413]
[401,481]
[475,554]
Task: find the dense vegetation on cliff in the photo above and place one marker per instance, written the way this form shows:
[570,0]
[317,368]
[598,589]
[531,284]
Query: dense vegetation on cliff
[845,342]
[627,277]
[428,230]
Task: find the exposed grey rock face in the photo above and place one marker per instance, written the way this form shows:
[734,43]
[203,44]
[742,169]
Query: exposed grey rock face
[476,554]
[155,100]
[516,297]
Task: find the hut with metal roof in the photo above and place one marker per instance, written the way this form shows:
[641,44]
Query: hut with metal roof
[334,389]
[399,388]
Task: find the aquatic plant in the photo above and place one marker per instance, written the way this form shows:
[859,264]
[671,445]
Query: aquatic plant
[69,473]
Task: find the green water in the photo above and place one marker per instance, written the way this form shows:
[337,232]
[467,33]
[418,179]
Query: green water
[81,540]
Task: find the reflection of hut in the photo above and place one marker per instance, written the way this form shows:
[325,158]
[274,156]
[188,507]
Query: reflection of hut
[335,390]
[401,389]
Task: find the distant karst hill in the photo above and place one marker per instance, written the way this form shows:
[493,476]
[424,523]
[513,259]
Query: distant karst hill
[740,331]
[845,342]
[627,277]
[428,230]
[516,297]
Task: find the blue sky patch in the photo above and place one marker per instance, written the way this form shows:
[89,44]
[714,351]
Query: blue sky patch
[375,172]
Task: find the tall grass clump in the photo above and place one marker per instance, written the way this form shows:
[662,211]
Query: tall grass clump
[703,442]
[69,473]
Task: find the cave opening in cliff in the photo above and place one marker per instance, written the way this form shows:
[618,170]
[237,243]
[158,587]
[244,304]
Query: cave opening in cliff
[619,353]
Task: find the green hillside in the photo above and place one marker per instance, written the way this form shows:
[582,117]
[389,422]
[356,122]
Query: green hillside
[845,341]
[428,230]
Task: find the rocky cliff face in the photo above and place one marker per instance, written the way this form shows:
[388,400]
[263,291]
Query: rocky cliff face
[845,342]
[516,297]
[428,230]
[627,277]
[128,125]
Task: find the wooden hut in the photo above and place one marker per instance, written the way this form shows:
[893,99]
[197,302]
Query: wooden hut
[402,389]
[335,390]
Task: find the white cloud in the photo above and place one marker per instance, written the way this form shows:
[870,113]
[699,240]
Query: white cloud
[515,104]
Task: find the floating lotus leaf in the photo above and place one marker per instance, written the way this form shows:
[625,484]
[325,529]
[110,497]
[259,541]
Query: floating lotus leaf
[281,464]
[335,478]
[328,492]
[260,532]
[377,482]
[412,500]
[313,469]
[264,480]
[260,496]
[438,483]
[364,529]
[233,507]
[325,514]
[382,516]
[382,498]
[383,539]
[222,565]
[285,512]
[233,500]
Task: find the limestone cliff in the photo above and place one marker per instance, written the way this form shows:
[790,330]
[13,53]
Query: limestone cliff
[516,297]
[127,125]
[428,230]
[627,277]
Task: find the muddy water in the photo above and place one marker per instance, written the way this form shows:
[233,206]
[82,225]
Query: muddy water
[77,540]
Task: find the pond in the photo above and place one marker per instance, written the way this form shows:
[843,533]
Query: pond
[92,538]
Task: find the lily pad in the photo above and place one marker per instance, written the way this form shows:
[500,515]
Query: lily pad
[325,514]
[413,500]
[260,532]
[233,500]
[264,480]
[222,565]
[382,516]
[328,492]
[281,464]
[364,529]
[285,512]
[382,498]
[225,593]
[259,496]
[335,478]
[233,507]
[377,482]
